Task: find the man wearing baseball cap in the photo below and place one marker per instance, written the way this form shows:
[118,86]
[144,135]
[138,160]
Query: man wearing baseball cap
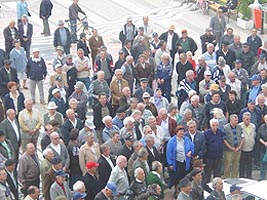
[108,192]
[78,196]
[90,180]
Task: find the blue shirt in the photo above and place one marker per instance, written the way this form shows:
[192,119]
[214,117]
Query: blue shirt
[214,144]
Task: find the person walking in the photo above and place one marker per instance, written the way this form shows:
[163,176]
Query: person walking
[45,12]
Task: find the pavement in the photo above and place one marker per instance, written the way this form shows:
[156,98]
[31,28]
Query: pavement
[108,16]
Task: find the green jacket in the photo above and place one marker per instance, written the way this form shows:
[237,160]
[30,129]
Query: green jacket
[153,178]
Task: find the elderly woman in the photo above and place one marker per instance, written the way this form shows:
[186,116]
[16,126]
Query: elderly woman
[174,113]
[128,128]
[109,128]
[218,192]
[179,152]
[158,100]
[218,114]
[188,116]
[14,99]
[163,75]
[262,138]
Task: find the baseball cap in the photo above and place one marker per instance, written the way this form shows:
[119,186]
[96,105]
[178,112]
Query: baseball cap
[112,187]
[56,160]
[207,73]
[255,77]
[61,173]
[90,124]
[234,187]
[54,91]
[7,61]
[146,95]
[91,164]
[78,195]
[59,78]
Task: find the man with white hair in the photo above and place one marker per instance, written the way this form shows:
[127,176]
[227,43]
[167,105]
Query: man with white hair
[210,56]
[79,187]
[30,123]
[198,111]
[214,150]
[128,71]
[234,83]
[153,154]
[185,85]
[128,128]
[116,86]
[163,49]
[119,177]
[97,86]
[59,150]
[204,85]
[109,128]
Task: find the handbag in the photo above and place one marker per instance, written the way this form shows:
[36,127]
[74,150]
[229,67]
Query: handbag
[265,157]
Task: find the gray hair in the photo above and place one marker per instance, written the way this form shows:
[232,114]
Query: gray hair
[165,55]
[72,100]
[218,113]
[191,122]
[163,111]
[127,120]
[104,147]
[146,127]
[136,143]
[8,112]
[120,158]
[117,70]
[187,110]
[78,185]
[189,72]
[27,100]
[100,72]
[214,121]
[210,45]
[128,58]
[137,171]
[194,98]
[149,137]
[106,118]
[155,165]
[233,116]
[246,114]
[142,152]
[46,151]
[135,112]
[215,181]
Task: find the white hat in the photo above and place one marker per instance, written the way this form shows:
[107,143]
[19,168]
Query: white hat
[146,95]
[79,85]
[90,124]
[207,73]
[58,65]
[35,49]
[51,105]
[54,91]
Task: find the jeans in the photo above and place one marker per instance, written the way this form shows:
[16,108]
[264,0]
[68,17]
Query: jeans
[73,29]
[263,170]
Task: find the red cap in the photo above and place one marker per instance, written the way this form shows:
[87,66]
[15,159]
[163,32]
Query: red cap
[90,165]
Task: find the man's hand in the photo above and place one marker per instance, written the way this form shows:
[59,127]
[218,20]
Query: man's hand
[171,168]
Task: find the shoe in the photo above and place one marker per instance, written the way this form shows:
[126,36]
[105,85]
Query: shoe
[42,102]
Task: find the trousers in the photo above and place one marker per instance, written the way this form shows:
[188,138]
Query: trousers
[40,88]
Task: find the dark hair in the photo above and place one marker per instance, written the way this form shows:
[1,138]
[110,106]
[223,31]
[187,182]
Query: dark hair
[233,92]
[213,93]
[127,41]
[102,94]
[74,133]
[31,189]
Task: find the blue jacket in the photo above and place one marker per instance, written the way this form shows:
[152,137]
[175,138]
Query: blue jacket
[61,105]
[19,60]
[22,9]
[9,103]
[199,143]
[45,9]
[164,73]
[171,151]
[36,71]
[214,144]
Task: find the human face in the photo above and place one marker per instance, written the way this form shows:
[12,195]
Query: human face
[3,175]
[80,54]
[246,120]
[28,105]
[144,84]
[36,54]
[12,115]
[61,179]
[30,149]
[219,185]
[254,32]
[50,155]
[103,99]
[234,121]
[165,60]
[71,115]
[108,123]
[238,65]
[127,92]
[180,133]
[36,194]
[142,59]
[263,74]
[116,138]
[141,175]
[55,139]
[129,125]
[101,76]
[90,140]
[216,98]
[2,138]
[197,178]
[207,77]
[138,146]
[187,189]
[119,75]
[214,126]
[232,97]
[158,190]
[210,49]
[237,40]
[192,128]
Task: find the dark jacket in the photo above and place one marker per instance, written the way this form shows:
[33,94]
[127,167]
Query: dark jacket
[192,45]
[49,179]
[164,36]
[83,45]
[104,170]
[4,80]
[67,127]
[199,143]
[98,116]
[61,105]
[125,151]
[36,71]
[57,39]
[4,151]
[206,40]
[214,144]
[102,196]
[12,186]
[254,44]
[73,149]
[139,190]
[92,186]
[181,69]
[9,40]
[151,158]
[9,103]
[229,57]
[45,9]
[28,34]
[247,60]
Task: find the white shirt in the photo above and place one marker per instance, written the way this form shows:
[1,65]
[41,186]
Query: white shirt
[236,86]
[15,127]
[169,41]
[57,148]
[74,123]
[192,136]
[25,29]
[109,161]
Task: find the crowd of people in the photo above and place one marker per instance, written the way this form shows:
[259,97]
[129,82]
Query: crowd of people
[138,141]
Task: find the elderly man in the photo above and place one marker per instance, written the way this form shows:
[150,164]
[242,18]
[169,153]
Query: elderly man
[142,89]
[233,142]
[236,46]
[207,38]
[249,132]
[83,66]
[259,65]
[36,72]
[186,188]
[46,164]
[197,190]
[29,170]
[10,127]
[59,101]
[59,150]
[128,71]
[89,127]
[138,186]
[143,70]
[33,193]
[7,74]
[82,99]
[106,164]
[5,193]
[98,86]
[107,193]
[119,177]
[129,129]
[153,154]
[120,115]
[91,182]
[128,32]
[141,161]
[25,33]
[116,87]
[247,57]
[52,114]
[62,37]
[60,186]
[198,111]
[127,148]
[197,138]
[12,181]
[69,124]
[109,128]
[89,151]
[141,34]
[214,150]
[218,25]
[95,42]
[10,34]
[210,56]
[50,176]
[205,84]
[234,83]
[29,128]
[167,124]
[114,143]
